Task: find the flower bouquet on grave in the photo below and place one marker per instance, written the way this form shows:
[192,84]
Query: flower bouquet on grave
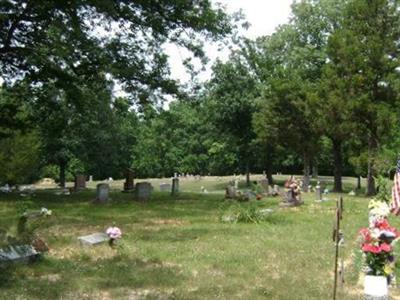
[377,241]
[113,233]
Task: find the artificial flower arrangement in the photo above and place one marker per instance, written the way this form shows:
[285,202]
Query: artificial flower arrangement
[113,233]
[378,239]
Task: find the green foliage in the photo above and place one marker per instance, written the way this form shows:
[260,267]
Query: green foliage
[384,193]
[20,159]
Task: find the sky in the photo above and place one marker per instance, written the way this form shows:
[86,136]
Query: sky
[263,15]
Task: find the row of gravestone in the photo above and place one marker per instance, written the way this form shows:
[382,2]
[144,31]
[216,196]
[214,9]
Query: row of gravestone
[142,190]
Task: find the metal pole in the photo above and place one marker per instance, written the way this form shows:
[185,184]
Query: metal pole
[338,215]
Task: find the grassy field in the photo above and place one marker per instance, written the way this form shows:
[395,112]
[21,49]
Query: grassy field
[178,248]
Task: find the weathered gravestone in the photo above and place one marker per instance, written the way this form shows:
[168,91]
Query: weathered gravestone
[318,194]
[230,192]
[143,191]
[93,239]
[129,177]
[22,253]
[175,186]
[103,191]
[265,186]
[80,182]
[165,187]
[90,178]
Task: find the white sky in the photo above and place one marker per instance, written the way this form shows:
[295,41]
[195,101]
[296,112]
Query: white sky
[263,15]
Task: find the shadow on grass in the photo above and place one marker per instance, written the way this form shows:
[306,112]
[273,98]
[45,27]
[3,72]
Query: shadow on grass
[57,278]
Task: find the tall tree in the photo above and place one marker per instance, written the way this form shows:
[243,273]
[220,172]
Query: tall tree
[365,51]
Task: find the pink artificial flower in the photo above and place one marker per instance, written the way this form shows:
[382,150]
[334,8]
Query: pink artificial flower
[386,247]
[366,234]
[371,248]
[114,232]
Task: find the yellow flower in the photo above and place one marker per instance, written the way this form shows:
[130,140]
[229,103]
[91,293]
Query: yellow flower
[388,269]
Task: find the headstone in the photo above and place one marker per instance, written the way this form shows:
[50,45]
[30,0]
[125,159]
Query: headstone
[128,184]
[318,195]
[236,184]
[265,185]
[143,191]
[175,186]
[93,239]
[103,190]
[5,189]
[230,192]
[165,187]
[276,189]
[23,253]
[175,175]
[292,195]
[80,182]
[90,178]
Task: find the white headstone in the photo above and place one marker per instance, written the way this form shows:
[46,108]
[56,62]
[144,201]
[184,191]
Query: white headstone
[93,239]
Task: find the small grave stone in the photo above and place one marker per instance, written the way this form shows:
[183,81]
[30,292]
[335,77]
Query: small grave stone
[230,192]
[318,194]
[23,253]
[143,191]
[165,187]
[175,186]
[80,182]
[103,191]
[276,189]
[5,189]
[265,185]
[93,239]
[236,184]
[90,178]
[129,177]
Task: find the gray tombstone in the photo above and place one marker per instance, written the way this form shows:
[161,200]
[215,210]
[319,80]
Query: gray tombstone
[175,186]
[90,178]
[103,191]
[165,187]
[230,192]
[93,239]
[265,185]
[318,195]
[143,190]
[22,253]
[276,189]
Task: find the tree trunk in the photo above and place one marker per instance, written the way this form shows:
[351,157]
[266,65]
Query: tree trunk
[337,165]
[247,175]
[306,170]
[269,176]
[62,166]
[372,148]
[314,171]
[359,183]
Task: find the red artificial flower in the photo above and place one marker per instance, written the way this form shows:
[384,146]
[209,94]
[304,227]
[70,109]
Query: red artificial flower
[386,247]
[365,233]
[382,224]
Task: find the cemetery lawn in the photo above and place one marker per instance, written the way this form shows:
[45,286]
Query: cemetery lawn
[178,248]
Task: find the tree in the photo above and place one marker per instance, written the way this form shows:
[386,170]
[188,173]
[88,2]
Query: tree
[365,51]
[232,93]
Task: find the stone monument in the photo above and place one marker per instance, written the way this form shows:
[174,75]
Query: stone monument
[80,182]
[175,186]
[292,195]
[128,184]
[103,190]
[143,191]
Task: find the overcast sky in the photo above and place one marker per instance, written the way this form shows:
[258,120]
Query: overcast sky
[263,15]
